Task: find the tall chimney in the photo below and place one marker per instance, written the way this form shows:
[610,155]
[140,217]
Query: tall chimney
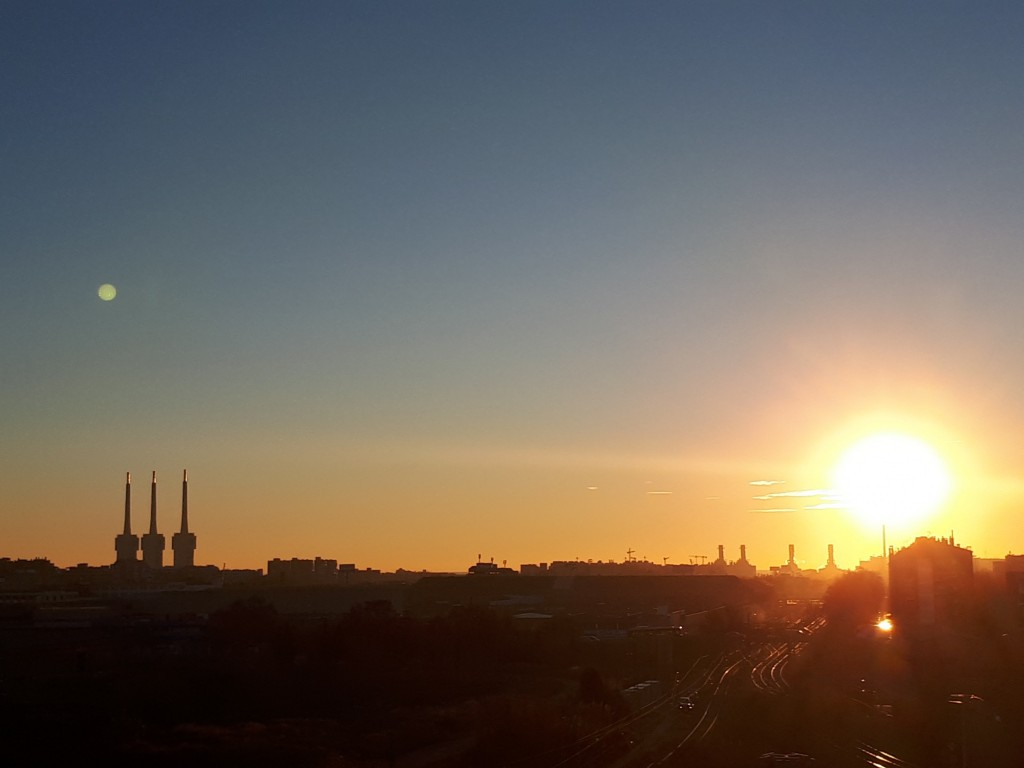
[127,504]
[721,553]
[743,553]
[153,544]
[792,555]
[125,544]
[184,543]
[831,560]
[152,504]
[184,501]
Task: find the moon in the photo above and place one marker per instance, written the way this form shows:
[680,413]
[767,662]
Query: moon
[891,477]
[107,292]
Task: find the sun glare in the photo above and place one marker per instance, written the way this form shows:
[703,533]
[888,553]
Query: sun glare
[891,478]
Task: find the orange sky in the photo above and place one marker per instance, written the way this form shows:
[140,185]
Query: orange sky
[400,284]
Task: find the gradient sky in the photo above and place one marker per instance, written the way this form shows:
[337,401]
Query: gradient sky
[404,282]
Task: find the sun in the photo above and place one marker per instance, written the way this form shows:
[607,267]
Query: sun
[891,478]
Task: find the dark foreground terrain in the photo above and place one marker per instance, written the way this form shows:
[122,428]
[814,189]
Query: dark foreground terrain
[480,683]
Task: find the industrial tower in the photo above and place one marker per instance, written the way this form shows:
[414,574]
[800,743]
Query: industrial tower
[184,543]
[153,542]
[125,544]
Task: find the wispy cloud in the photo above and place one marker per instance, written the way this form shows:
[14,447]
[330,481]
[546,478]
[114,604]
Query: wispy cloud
[659,493]
[818,498]
[767,482]
[824,493]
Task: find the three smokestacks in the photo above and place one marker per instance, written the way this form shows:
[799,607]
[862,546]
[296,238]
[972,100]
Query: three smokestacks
[153,544]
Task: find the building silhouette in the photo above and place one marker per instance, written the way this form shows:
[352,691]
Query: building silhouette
[743,567]
[153,544]
[790,568]
[126,545]
[930,584]
[830,569]
[183,543]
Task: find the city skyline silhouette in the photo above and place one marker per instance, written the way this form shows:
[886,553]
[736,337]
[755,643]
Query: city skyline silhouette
[544,374]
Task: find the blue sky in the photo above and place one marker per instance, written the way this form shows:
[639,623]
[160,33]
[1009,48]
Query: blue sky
[391,273]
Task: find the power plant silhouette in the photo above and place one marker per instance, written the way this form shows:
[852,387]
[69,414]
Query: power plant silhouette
[183,543]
